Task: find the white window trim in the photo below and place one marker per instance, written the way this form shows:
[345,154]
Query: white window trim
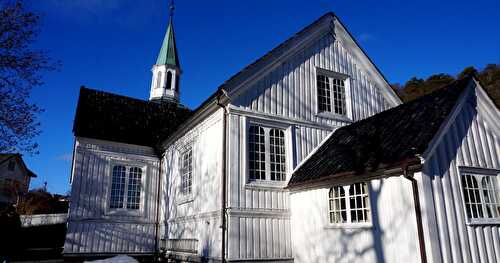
[289,153]
[478,173]
[348,224]
[347,89]
[124,210]
[181,197]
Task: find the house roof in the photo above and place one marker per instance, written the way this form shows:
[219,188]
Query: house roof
[4,157]
[107,116]
[168,52]
[382,140]
[167,55]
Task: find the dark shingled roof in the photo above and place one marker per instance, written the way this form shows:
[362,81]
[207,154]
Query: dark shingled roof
[382,140]
[107,116]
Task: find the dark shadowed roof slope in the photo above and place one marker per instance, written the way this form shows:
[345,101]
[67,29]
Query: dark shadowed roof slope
[382,140]
[107,116]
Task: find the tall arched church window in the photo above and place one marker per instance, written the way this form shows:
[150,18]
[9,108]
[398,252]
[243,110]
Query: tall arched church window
[158,79]
[169,80]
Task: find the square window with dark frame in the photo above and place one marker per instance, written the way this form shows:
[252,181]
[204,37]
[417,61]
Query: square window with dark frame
[481,197]
[331,94]
[125,180]
[187,172]
[266,153]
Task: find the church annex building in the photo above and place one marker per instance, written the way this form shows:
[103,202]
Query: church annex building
[305,155]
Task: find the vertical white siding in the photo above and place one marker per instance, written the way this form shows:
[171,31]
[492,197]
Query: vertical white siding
[468,142]
[198,216]
[290,89]
[92,228]
[259,216]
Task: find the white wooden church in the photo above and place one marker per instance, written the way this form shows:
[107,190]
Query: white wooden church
[305,155]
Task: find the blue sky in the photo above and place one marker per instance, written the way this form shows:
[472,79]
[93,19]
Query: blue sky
[112,44]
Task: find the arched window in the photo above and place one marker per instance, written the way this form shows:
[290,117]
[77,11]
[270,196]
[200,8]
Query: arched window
[158,79]
[349,204]
[337,207]
[169,80]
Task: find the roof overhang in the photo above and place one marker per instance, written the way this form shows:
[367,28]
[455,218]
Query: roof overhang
[410,165]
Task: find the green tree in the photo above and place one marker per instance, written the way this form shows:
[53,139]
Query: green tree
[489,78]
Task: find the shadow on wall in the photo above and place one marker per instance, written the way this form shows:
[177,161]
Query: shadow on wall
[193,217]
[90,229]
[342,243]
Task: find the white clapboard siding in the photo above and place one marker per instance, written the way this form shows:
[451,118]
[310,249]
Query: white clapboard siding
[469,141]
[92,227]
[290,89]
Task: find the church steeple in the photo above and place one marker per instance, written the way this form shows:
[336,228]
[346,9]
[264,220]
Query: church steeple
[167,70]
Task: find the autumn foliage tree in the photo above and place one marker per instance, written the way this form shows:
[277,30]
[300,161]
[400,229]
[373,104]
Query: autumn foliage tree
[21,69]
[489,77]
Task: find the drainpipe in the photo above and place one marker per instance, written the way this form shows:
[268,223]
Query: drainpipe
[222,92]
[418,212]
[158,202]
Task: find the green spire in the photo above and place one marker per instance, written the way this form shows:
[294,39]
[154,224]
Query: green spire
[168,51]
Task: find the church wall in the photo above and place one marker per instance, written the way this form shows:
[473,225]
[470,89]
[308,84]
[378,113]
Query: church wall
[196,216]
[391,236]
[286,96]
[259,216]
[93,228]
[470,141]
[289,89]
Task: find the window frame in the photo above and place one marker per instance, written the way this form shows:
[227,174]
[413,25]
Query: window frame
[142,193]
[331,76]
[267,125]
[348,210]
[479,174]
[186,150]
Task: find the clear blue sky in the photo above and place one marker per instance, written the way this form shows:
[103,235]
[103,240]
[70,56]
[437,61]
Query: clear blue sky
[112,44]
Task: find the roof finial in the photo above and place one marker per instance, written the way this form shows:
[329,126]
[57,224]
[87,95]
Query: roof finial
[172,7]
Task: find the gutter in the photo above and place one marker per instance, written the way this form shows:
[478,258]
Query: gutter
[418,212]
[158,201]
[221,92]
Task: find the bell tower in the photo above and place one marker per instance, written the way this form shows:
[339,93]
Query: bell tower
[167,70]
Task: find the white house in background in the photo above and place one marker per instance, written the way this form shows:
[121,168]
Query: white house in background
[211,184]
[14,177]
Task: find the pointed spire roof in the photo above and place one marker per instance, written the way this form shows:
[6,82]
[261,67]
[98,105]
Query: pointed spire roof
[168,51]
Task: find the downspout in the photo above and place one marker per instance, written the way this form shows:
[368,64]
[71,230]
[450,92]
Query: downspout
[158,202]
[222,92]
[418,212]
